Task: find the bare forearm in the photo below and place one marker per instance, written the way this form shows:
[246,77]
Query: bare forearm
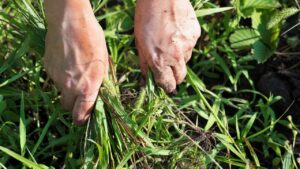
[64,10]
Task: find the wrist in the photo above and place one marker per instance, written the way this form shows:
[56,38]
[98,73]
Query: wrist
[59,11]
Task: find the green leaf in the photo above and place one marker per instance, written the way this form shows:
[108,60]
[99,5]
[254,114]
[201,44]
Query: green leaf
[260,4]
[280,16]
[269,37]
[248,7]
[261,52]
[242,38]
[210,11]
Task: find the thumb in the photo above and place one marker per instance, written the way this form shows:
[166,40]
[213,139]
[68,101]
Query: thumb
[83,107]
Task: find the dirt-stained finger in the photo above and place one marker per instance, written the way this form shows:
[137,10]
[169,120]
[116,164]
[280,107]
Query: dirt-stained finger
[83,107]
[164,78]
[179,71]
[67,100]
[143,62]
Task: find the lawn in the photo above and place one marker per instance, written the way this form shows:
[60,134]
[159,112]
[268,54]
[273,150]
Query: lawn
[237,108]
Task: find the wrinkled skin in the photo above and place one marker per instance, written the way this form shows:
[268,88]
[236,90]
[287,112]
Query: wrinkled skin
[166,31]
[76,60]
[76,54]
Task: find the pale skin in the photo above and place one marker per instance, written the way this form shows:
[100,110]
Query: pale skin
[76,56]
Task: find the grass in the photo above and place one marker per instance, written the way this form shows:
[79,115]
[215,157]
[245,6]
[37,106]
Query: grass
[213,121]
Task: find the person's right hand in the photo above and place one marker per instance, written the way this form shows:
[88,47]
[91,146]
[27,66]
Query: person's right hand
[166,32]
[76,59]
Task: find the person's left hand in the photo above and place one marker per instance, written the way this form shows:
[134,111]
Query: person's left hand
[76,59]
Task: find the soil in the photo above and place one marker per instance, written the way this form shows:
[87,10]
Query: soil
[280,76]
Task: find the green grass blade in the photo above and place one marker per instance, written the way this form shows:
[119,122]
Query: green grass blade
[127,156]
[287,161]
[2,166]
[48,124]
[22,159]
[20,52]
[252,152]
[22,127]
[12,79]
[249,125]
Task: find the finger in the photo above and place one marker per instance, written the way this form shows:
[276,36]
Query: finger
[179,71]
[83,107]
[188,55]
[67,100]
[143,65]
[142,60]
[165,78]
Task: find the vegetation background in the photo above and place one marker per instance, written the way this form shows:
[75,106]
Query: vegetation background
[238,107]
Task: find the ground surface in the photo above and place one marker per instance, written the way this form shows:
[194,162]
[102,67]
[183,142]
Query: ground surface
[227,113]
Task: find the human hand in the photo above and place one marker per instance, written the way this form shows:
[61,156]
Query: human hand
[166,32]
[76,60]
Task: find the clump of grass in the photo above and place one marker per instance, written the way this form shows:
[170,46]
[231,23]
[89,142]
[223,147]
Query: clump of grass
[153,133]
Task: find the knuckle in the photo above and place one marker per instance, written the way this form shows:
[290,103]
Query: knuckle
[157,61]
[68,83]
[89,87]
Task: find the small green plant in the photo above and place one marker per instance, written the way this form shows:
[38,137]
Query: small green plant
[213,121]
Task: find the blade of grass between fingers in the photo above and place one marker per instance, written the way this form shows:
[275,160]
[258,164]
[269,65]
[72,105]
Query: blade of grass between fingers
[114,103]
[102,127]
